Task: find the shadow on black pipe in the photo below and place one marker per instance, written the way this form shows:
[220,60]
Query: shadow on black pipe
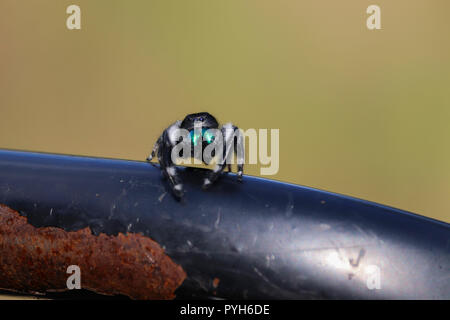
[259,239]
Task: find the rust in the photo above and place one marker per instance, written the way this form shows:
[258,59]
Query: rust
[35,260]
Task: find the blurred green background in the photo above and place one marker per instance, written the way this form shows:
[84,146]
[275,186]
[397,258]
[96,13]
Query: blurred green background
[363,113]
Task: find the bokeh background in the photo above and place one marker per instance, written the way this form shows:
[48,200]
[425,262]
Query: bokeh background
[363,113]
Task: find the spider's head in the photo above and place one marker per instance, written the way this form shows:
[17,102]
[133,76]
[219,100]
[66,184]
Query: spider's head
[203,119]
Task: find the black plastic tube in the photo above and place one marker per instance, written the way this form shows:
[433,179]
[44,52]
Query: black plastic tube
[256,239]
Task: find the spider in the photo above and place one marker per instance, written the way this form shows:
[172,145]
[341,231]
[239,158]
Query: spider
[195,134]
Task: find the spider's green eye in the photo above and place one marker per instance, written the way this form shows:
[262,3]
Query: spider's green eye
[207,136]
[195,137]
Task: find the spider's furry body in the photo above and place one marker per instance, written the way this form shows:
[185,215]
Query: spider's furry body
[197,125]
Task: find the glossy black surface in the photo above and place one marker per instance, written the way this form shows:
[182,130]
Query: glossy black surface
[260,238]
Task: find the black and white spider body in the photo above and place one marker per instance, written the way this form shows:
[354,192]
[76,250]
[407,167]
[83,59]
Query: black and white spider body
[196,134]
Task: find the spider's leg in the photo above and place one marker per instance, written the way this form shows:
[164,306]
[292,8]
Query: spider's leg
[155,149]
[168,168]
[240,152]
[240,172]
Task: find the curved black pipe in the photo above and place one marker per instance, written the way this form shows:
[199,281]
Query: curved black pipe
[257,239]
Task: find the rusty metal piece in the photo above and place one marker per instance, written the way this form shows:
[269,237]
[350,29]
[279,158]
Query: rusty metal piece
[35,260]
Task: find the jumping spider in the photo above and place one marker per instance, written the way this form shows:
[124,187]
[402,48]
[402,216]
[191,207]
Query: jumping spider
[198,136]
